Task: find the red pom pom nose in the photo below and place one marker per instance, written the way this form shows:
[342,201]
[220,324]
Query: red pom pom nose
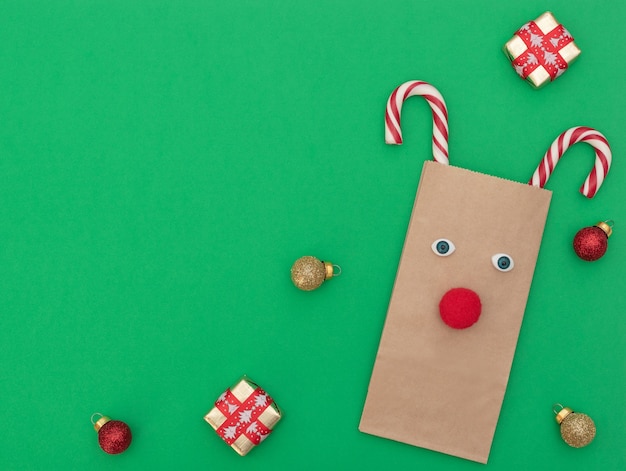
[460,308]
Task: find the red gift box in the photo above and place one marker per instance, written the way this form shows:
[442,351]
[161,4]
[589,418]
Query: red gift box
[541,50]
[243,416]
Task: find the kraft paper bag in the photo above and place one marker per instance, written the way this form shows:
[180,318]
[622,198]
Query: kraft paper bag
[434,386]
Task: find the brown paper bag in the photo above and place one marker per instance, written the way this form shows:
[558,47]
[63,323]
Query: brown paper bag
[434,386]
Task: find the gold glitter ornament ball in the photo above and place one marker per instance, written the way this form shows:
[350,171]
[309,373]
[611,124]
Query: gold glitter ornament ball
[577,429]
[308,273]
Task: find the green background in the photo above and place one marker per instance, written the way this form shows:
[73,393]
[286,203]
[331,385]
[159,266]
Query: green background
[163,163]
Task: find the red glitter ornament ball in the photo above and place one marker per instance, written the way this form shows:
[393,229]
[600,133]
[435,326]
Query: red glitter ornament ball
[590,243]
[114,436]
[460,308]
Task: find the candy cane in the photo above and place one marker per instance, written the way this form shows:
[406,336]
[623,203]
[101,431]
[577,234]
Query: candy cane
[570,137]
[393,132]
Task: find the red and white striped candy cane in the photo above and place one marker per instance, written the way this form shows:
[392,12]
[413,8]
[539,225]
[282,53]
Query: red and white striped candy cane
[570,137]
[393,132]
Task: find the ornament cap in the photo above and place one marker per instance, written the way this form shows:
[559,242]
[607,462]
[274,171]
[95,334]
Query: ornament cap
[331,270]
[606,226]
[100,421]
[562,414]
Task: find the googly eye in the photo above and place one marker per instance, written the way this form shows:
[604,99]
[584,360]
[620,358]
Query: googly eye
[443,247]
[502,262]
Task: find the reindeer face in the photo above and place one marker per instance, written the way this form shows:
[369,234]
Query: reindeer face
[473,231]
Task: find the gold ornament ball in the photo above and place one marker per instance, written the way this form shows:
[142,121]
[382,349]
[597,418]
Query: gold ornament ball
[308,273]
[577,429]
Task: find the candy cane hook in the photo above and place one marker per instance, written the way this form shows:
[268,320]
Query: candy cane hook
[570,137]
[393,132]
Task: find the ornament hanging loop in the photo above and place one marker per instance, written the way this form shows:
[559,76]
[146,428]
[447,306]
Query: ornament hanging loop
[560,408]
[607,226]
[336,270]
[97,416]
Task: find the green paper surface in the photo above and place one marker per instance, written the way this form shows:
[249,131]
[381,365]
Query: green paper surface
[164,163]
